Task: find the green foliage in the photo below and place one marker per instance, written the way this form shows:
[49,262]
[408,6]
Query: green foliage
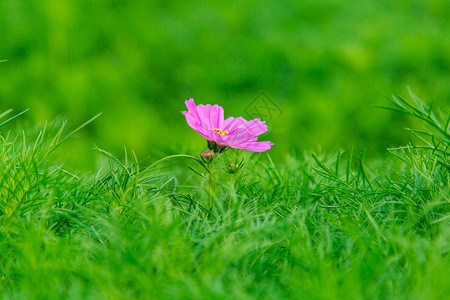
[313,227]
[326,64]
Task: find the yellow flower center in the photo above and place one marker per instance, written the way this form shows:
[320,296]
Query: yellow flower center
[220,131]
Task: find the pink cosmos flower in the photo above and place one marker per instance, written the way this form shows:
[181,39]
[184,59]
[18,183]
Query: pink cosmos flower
[222,134]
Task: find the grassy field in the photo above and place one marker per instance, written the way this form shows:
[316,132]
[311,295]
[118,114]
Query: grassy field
[122,206]
[316,226]
[325,64]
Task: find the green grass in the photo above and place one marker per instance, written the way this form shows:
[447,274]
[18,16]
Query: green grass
[325,64]
[322,226]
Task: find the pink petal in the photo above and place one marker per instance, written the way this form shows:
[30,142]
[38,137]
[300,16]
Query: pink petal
[194,120]
[241,134]
[211,115]
[237,137]
[255,146]
[232,123]
[254,127]
[216,137]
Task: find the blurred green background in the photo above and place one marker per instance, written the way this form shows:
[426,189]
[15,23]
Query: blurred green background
[324,65]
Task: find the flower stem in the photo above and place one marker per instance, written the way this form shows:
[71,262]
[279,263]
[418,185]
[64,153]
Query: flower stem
[211,187]
[231,191]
